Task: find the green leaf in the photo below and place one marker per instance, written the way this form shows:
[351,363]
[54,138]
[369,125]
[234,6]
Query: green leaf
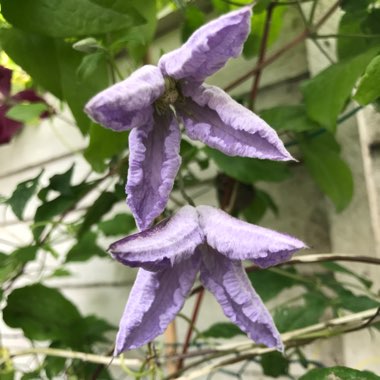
[120,224]
[69,18]
[355,5]
[90,63]
[338,373]
[53,64]
[62,182]
[249,170]
[269,283]
[11,264]
[327,93]
[99,208]
[221,330]
[369,85]
[334,267]
[85,249]
[274,364]
[329,171]
[42,313]
[26,112]
[288,318]
[92,330]
[262,201]
[21,196]
[194,18]
[289,118]
[253,42]
[103,145]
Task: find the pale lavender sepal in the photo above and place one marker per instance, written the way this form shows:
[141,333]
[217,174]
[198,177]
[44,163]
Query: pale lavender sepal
[228,282]
[128,104]
[163,245]
[209,47]
[213,117]
[239,240]
[154,161]
[154,301]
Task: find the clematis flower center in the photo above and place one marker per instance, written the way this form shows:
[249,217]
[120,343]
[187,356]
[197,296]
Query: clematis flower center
[169,97]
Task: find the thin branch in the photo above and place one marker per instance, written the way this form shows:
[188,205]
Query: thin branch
[263,49]
[294,42]
[244,351]
[358,35]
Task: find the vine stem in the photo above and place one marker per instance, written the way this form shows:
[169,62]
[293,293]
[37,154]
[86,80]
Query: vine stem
[244,350]
[277,54]
[263,48]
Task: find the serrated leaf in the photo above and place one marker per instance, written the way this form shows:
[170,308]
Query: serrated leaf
[120,224]
[100,207]
[274,364]
[221,330]
[369,86]
[338,373]
[42,313]
[103,145]
[21,196]
[26,112]
[330,172]
[249,170]
[69,18]
[85,249]
[326,94]
[289,118]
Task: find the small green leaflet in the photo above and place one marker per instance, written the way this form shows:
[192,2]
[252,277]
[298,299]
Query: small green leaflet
[369,85]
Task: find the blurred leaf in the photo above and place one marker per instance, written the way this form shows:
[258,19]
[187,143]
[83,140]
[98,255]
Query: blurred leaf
[61,272]
[120,224]
[20,197]
[326,93]
[53,64]
[253,42]
[262,201]
[336,373]
[12,263]
[90,63]
[221,330]
[261,5]
[104,143]
[194,18]
[369,86]
[288,318]
[334,267]
[100,207]
[62,182]
[269,283]
[249,170]
[289,118]
[69,18]
[355,5]
[85,248]
[42,313]
[220,6]
[26,112]
[330,172]
[92,330]
[274,364]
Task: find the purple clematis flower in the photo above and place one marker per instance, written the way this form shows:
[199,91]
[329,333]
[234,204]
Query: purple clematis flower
[9,127]
[170,255]
[153,101]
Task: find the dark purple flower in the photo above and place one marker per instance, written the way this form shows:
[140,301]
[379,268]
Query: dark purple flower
[9,127]
[145,102]
[205,240]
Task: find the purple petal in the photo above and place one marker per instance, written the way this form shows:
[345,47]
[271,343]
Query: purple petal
[209,48]
[5,81]
[154,301]
[128,104]
[8,127]
[214,118]
[239,240]
[165,244]
[154,161]
[227,280]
